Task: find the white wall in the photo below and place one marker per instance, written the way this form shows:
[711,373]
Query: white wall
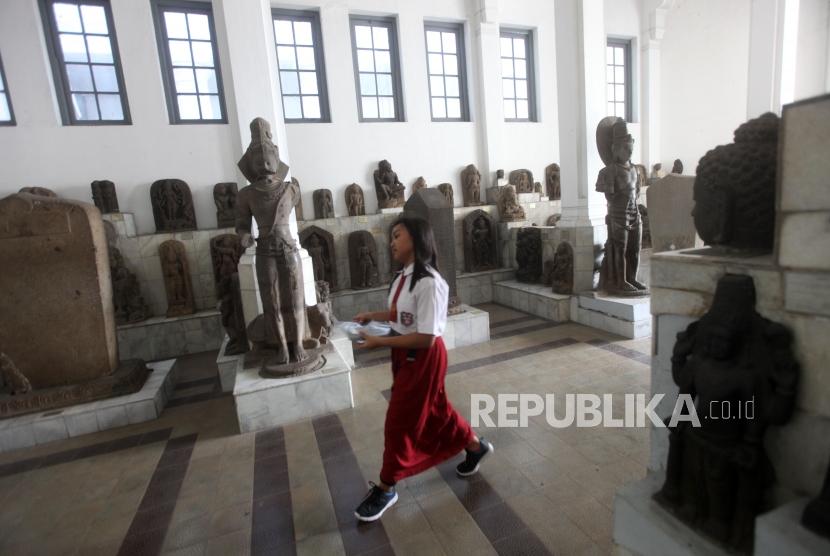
[812,49]
[704,61]
[40,151]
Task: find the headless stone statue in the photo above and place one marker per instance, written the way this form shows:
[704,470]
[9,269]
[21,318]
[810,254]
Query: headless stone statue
[269,201]
[619,182]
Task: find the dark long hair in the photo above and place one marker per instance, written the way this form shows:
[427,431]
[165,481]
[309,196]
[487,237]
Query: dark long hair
[423,244]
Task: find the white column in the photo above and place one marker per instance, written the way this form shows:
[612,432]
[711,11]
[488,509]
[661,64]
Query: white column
[766,32]
[653,25]
[485,41]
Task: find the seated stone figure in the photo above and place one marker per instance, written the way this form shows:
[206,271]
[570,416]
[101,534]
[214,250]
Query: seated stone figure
[509,208]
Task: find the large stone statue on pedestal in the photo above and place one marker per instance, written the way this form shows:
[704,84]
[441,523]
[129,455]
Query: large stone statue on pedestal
[388,187]
[735,188]
[619,181]
[269,201]
[731,360]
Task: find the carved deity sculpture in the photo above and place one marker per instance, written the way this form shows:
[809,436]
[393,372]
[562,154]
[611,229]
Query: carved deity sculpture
[269,201]
[471,186]
[735,360]
[104,196]
[446,191]
[172,205]
[529,255]
[323,204]
[552,185]
[619,182]
[657,171]
[522,179]
[387,186]
[677,167]
[734,188]
[318,260]
[363,260]
[562,275]
[646,228]
[482,244]
[418,184]
[224,197]
[298,210]
[127,300]
[225,251]
[509,208]
[354,200]
[177,280]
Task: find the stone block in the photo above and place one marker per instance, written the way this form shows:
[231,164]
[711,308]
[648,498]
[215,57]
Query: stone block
[804,137]
[807,292]
[804,240]
[49,429]
[679,302]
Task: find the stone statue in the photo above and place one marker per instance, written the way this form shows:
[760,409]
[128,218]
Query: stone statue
[619,181]
[41,191]
[12,381]
[323,204]
[224,196]
[657,171]
[387,186]
[522,179]
[104,196]
[500,174]
[128,302]
[816,515]
[446,191]
[734,188]
[562,275]
[354,200]
[225,251]
[480,242]
[172,206]
[677,168]
[419,184]
[320,246]
[320,316]
[269,201]
[717,473]
[537,187]
[553,220]
[529,255]
[363,260]
[177,280]
[509,208]
[552,185]
[471,186]
[646,244]
[298,209]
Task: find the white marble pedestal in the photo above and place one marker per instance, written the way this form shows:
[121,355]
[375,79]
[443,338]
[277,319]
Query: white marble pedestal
[629,317]
[536,299]
[472,326]
[780,532]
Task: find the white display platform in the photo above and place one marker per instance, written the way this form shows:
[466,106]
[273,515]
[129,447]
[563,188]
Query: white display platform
[263,403]
[629,317]
[59,424]
[643,527]
[536,299]
[780,532]
[467,328]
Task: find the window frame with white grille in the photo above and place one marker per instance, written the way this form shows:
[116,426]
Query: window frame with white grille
[618,64]
[527,66]
[440,98]
[363,77]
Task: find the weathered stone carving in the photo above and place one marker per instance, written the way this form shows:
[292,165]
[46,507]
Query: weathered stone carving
[471,186]
[735,188]
[537,187]
[363,260]
[320,315]
[177,282]
[646,244]
[283,346]
[619,182]
[320,246]
[354,200]
[56,267]
[298,208]
[172,206]
[446,191]
[127,300]
[552,183]
[562,275]
[419,184]
[224,197]
[104,196]
[717,472]
[657,171]
[677,167]
[323,204]
[529,255]
[816,515]
[40,191]
[509,208]
[12,381]
[522,179]
[225,251]
[480,245]
[387,186]
[553,219]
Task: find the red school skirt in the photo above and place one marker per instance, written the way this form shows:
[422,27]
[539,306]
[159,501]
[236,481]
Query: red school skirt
[422,428]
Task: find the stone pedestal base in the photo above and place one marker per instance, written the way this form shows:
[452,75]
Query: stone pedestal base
[263,403]
[162,338]
[394,210]
[780,532]
[624,316]
[644,528]
[535,299]
[529,197]
[39,428]
[472,326]
[227,365]
[124,223]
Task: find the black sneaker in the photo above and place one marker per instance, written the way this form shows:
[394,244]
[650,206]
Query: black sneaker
[376,502]
[470,464]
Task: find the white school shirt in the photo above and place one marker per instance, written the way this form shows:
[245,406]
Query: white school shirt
[424,309]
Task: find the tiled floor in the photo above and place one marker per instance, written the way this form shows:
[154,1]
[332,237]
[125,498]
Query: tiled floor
[189,483]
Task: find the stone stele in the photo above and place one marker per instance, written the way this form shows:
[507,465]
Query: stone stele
[480,242]
[323,204]
[552,184]
[224,196]
[104,196]
[363,260]
[529,255]
[320,246]
[177,282]
[58,323]
[471,186]
[354,200]
[522,179]
[172,206]
[225,251]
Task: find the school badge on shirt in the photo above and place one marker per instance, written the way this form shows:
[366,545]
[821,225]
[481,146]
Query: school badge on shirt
[407,318]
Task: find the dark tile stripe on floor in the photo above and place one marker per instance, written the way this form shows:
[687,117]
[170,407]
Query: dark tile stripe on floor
[524,330]
[508,322]
[620,350]
[149,526]
[74,454]
[347,488]
[193,383]
[500,524]
[272,529]
[215,392]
